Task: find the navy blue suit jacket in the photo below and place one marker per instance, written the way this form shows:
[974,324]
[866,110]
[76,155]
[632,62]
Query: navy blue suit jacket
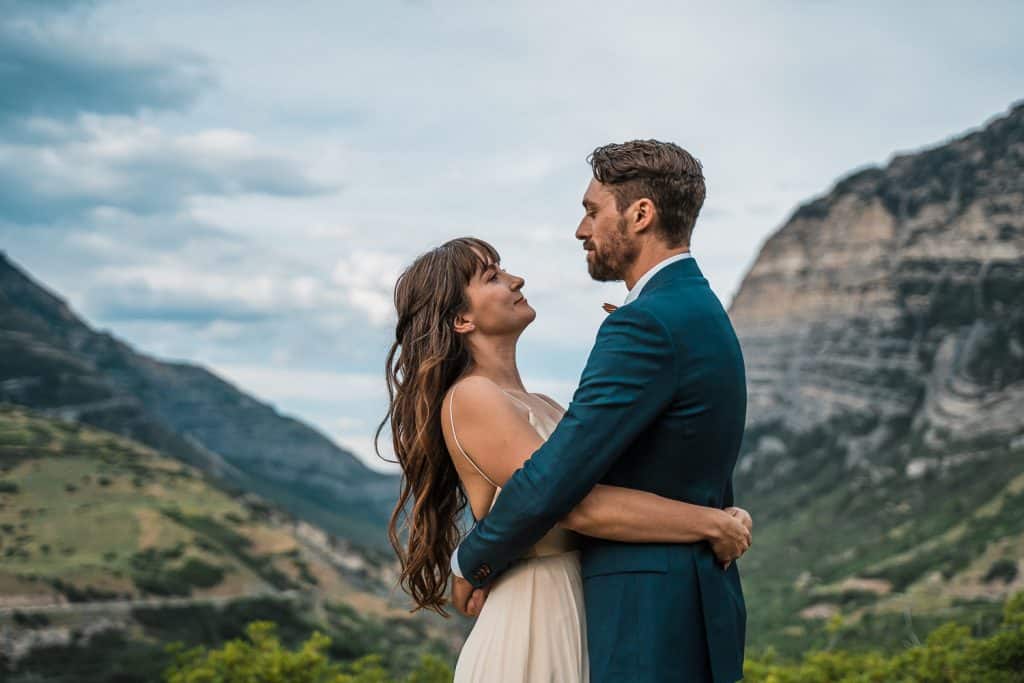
[660,407]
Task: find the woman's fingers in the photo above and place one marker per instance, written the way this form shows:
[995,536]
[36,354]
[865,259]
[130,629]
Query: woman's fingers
[473,607]
[476,602]
[743,516]
[462,593]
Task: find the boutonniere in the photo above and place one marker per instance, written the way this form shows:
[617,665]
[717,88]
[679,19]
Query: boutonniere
[608,308]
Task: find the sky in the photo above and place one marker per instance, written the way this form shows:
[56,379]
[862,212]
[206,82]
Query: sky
[238,184]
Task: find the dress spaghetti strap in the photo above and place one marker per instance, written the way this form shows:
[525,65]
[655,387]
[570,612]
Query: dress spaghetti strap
[518,400]
[551,402]
[451,418]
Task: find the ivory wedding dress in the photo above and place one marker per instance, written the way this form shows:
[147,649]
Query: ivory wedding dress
[532,628]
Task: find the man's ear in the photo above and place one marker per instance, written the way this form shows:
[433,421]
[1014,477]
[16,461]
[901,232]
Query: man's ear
[463,325]
[642,213]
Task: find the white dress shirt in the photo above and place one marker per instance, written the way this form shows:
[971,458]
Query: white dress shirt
[631,296]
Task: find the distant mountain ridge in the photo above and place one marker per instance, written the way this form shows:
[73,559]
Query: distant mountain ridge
[897,276]
[883,330]
[52,361]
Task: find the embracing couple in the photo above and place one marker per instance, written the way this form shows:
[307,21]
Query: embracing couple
[605,542]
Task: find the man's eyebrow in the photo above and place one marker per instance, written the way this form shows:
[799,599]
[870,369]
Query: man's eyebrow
[587,204]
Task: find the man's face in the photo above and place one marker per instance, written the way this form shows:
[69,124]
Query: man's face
[603,230]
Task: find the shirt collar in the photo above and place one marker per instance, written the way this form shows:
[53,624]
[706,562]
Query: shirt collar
[646,277]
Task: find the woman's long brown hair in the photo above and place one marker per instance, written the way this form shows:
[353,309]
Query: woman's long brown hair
[428,356]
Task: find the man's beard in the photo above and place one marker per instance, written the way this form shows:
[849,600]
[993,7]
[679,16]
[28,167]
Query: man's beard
[609,263]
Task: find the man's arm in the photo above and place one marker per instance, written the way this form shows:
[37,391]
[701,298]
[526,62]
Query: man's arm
[629,379]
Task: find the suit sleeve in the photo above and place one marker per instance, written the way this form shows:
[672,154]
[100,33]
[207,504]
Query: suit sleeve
[628,381]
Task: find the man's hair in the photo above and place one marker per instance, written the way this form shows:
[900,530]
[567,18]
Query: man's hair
[663,172]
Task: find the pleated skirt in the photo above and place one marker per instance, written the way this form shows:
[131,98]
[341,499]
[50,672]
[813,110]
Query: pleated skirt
[532,628]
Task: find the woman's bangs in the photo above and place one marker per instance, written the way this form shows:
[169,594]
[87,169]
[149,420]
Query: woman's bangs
[472,256]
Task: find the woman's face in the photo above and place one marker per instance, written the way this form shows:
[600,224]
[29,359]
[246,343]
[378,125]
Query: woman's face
[496,302]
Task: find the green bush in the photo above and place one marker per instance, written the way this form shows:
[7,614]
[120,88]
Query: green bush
[152,573]
[198,573]
[1004,570]
[949,654]
[261,657]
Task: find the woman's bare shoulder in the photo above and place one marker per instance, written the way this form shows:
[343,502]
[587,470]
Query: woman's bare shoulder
[479,404]
[471,390]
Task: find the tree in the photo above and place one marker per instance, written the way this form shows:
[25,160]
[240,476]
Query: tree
[948,655]
[260,658]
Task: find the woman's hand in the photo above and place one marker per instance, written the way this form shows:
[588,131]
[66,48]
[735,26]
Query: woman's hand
[468,600]
[732,535]
[743,516]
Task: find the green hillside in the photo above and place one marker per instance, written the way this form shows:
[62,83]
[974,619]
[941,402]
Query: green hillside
[87,514]
[888,563]
[97,528]
[54,362]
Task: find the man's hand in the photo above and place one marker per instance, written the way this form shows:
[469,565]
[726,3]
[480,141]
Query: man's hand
[468,600]
[732,537]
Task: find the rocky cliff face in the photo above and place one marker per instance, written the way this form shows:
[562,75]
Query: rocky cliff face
[883,330]
[52,361]
[898,297]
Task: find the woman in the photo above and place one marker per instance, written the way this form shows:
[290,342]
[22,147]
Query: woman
[462,422]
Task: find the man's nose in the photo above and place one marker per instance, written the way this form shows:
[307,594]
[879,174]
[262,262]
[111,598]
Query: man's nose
[581,232]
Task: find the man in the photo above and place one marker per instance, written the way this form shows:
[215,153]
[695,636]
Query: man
[660,407]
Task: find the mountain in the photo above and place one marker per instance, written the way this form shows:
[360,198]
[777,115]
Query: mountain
[109,550]
[883,330]
[52,361]
[87,515]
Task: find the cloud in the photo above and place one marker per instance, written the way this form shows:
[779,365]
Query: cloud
[194,284]
[123,163]
[34,8]
[368,280]
[48,70]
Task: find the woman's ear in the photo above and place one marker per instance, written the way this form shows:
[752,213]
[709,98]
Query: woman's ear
[462,325]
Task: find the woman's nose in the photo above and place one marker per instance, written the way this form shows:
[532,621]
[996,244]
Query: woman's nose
[517,283]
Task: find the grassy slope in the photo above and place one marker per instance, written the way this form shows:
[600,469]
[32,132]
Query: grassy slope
[98,512]
[89,516]
[892,558]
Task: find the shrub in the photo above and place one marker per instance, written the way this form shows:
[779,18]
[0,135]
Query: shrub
[1004,570]
[201,574]
[151,573]
[949,654]
[261,657]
